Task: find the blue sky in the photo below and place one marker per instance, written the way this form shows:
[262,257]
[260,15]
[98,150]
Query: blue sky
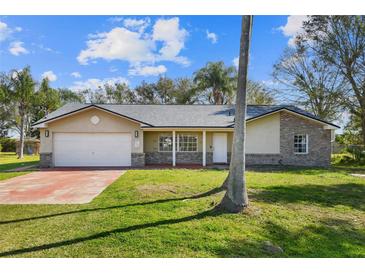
[84,51]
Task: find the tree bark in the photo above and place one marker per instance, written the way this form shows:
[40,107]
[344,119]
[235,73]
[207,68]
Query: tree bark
[235,198]
[217,97]
[21,139]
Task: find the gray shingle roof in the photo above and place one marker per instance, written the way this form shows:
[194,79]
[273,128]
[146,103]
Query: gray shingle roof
[178,115]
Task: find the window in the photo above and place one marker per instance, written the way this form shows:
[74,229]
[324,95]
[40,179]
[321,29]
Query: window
[184,143]
[301,144]
[165,143]
[187,143]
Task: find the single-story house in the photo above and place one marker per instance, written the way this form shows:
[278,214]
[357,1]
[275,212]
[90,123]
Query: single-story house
[78,135]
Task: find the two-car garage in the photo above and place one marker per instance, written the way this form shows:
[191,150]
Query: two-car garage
[91,149]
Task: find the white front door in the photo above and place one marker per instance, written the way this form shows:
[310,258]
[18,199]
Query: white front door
[220,147]
[92,149]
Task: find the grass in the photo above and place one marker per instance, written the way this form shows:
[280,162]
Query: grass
[9,160]
[169,213]
[347,161]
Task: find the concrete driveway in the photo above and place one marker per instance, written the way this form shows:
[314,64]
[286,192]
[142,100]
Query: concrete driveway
[57,186]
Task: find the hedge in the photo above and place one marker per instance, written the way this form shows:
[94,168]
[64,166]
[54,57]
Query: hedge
[8,145]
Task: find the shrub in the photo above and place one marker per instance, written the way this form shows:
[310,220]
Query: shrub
[357,152]
[8,144]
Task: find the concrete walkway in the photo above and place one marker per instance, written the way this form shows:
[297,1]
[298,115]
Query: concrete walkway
[57,186]
[359,175]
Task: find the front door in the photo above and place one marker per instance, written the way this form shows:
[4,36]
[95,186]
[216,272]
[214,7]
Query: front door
[220,147]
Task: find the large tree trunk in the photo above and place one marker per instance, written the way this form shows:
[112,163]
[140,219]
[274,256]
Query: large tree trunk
[235,198]
[21,139]
[218,100]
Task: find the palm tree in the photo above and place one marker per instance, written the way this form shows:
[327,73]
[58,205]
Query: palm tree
[21,91]
[235,198]
[218,80]
[185,91]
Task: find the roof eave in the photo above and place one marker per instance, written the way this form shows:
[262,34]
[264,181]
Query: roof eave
[293,111]
[84,108]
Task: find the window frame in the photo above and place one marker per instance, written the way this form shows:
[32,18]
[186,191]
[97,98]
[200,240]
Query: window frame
[178,142]
[187,134]
[306,144]
[159,137]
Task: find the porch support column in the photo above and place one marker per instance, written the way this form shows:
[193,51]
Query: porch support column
[204,149]
[173,148]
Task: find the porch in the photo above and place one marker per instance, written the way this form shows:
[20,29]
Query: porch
[187,147]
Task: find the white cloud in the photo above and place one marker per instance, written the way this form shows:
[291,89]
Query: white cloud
[16,48]
[95,83]
[270,83]
[173,37]
[44,48]
[50,75]
[293,27]
[76,74]
[118,44]
[115,19]
[235,61]
[6,31]
[212,37]
[138,25]
[140,48]
[147,70]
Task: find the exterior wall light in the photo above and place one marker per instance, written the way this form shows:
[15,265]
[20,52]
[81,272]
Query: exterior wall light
[46,133]
[136,133]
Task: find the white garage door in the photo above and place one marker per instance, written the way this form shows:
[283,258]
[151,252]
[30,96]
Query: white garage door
[92,149]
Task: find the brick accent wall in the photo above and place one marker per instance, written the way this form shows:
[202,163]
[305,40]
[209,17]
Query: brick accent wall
[181,158]
[263,159]
[189,158]
[319,144]
[45,160]
[138,159]
[319,141]
[209,158]
[158,157]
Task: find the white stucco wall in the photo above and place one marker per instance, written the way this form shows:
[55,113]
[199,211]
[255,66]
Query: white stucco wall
[263,135]
[80,122]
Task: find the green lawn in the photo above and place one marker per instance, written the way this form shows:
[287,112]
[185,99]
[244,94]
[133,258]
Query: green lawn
[159,213]
[9,160]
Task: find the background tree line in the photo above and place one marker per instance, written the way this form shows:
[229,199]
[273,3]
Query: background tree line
[324,73]
[24,101]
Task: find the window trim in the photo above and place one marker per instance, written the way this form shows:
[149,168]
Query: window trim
[306,144]
[178,142]
[187,134]
[163,135]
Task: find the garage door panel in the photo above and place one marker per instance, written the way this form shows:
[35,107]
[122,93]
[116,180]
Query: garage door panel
[92,149]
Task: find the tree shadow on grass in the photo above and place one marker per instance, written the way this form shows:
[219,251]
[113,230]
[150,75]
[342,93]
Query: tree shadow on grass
[328,238]
[208,213]
[197,196]
[351,195]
